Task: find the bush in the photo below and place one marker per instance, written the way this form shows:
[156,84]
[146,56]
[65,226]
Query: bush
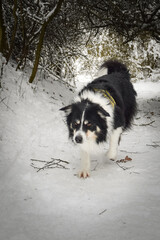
[142,56]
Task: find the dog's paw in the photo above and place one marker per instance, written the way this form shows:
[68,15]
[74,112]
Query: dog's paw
[112,155]
[83,174]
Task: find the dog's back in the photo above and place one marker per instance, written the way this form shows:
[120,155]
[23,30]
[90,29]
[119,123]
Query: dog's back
[115,79]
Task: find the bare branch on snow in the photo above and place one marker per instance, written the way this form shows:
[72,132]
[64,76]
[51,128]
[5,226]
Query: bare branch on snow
[54,163]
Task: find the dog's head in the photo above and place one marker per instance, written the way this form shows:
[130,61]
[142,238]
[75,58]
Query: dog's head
[86,122]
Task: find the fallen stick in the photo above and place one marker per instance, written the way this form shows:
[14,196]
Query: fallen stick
[54,163]
[153,145]
[102,212]
[123,167]
[2,99]
[146,124]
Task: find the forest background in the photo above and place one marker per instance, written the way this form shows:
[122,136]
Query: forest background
[65,38]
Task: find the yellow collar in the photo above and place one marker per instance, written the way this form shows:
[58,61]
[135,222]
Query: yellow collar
[106,94]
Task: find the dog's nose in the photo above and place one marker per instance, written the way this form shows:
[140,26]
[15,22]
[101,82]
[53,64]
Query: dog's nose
[78,139]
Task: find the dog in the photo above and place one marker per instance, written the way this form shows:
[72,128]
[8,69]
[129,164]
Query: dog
[101,112]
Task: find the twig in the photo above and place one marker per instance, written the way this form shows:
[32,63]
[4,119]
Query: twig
[153,145]
[54,163]
[37,160]
[134,172]
[94,169]
[133,152]
[102,212]
[54,98]
[124,168]
[2,101]
[60,160]
[145,124]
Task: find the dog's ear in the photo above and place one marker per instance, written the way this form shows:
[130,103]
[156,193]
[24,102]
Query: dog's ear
[67,109]
[103,113]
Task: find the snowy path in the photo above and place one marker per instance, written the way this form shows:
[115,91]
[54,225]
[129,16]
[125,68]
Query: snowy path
[54,204]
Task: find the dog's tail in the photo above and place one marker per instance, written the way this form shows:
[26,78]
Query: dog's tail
[111,66]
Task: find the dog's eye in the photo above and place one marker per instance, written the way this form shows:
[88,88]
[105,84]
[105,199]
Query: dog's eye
[89,124]
[76,123]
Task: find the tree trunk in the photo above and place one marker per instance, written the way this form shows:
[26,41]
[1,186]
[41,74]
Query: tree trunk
[14,31]
[3,38]
[41,38]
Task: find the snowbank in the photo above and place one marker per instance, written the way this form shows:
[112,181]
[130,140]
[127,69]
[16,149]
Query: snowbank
[118,201]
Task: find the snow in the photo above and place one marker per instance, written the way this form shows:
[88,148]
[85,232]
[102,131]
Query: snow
[50,13]
[112,204]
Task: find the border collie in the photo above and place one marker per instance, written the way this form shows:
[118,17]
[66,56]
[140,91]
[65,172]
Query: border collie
[102,111]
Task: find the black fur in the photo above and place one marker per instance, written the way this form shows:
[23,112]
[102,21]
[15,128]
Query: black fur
[117,83]
[91,115]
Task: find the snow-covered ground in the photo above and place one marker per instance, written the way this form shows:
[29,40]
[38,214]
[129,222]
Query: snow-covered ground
[118,201]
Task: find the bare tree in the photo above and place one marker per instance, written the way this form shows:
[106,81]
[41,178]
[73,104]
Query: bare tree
[3,37]
[47,19]
[52,34]
[128,18]
[14,31]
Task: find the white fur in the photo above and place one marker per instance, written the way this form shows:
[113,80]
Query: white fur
[89,145]
[102,72]
[80,132]
[85,164]
[113,143]
[86,148]
[102,101]
[82,120]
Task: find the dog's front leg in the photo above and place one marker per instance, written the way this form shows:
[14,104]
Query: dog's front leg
[85,164]
[113,143]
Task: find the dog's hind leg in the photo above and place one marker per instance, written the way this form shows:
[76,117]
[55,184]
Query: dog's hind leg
[113,143]
[85,165]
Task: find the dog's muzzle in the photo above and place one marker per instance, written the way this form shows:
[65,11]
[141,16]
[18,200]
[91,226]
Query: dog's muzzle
[78,139]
